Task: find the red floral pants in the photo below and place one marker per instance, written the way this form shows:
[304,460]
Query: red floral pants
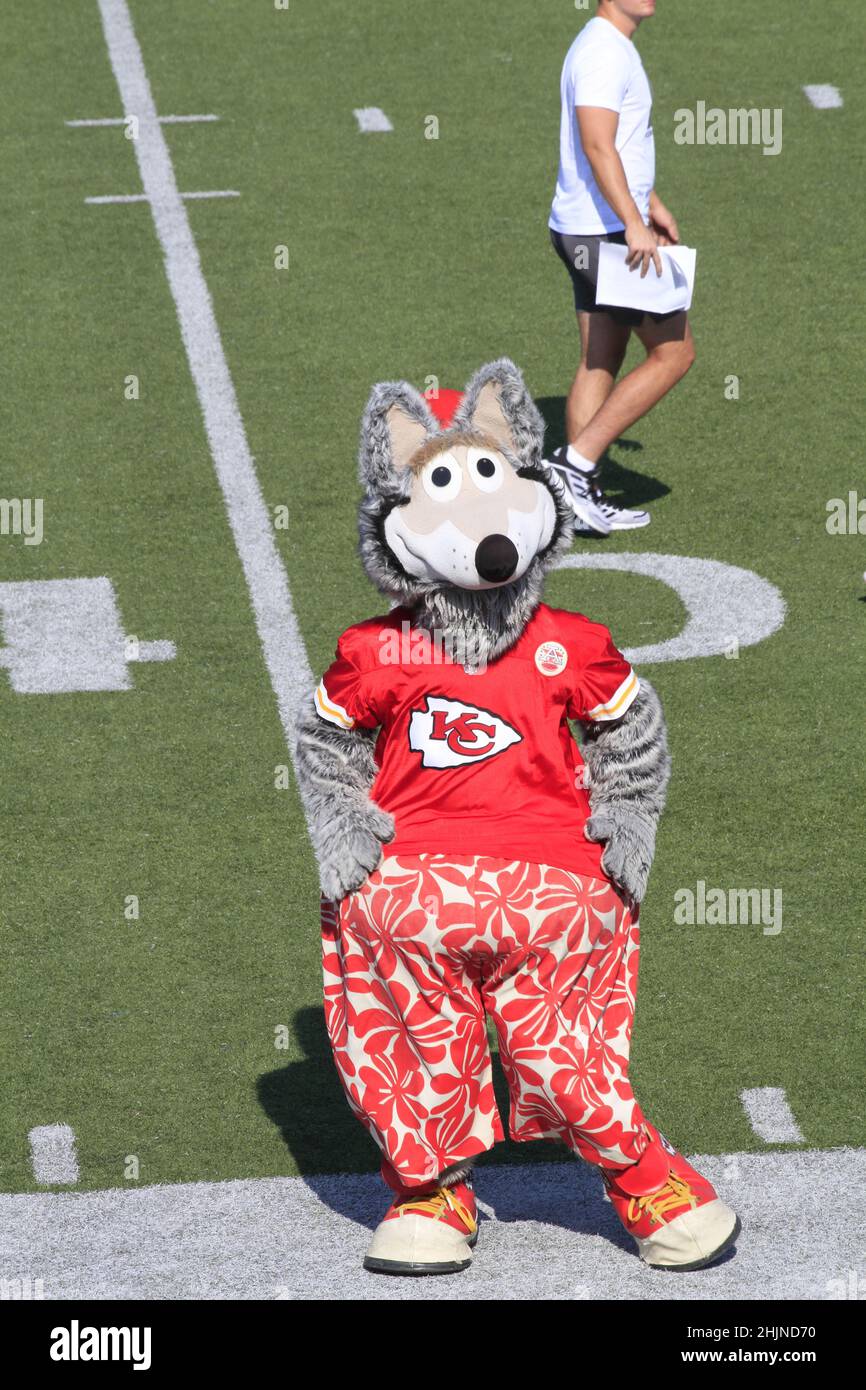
[423,951]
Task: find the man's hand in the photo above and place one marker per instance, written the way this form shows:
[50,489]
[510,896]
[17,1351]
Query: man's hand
[663,222]
[642,245]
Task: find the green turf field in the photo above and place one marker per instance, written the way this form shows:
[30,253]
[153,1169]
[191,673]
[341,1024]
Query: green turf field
[156,1037]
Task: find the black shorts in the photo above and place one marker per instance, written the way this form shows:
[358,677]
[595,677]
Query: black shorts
[579,255]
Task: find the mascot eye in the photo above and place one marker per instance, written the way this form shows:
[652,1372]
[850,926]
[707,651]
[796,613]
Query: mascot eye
[485,469]
[442,478]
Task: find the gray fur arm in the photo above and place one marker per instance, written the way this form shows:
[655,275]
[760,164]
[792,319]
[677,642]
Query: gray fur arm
[629,770]
[335,770]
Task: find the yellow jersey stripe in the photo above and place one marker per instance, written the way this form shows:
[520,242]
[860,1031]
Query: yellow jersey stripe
[334,713]
[619,701]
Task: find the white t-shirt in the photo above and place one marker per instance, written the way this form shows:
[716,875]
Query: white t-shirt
[602,68]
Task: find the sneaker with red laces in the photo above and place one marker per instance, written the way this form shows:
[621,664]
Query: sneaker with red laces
[428,1232]
[675,1215]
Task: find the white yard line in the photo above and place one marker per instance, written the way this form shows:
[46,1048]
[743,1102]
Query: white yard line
[52,1154]
[282,644]
[824,97]
[143,197]
[122,120]
[554,1237]
[770,1115]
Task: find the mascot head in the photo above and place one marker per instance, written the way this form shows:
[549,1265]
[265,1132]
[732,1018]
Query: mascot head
[463,522]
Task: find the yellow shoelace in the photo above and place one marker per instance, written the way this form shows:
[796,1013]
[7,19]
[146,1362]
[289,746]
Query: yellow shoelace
[672,1193]
[436,1205]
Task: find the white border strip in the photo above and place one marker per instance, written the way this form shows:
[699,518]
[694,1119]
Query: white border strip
[282,644]
[771,1116]
[553,1237]
[52,1154]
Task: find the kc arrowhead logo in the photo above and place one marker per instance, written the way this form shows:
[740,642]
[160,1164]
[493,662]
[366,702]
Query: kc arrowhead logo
[448,733]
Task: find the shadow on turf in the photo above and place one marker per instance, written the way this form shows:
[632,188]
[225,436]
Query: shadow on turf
[621,484]
[338,1159]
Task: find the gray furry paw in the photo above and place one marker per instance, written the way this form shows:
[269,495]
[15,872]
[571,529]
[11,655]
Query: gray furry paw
[629,840]
[349,848]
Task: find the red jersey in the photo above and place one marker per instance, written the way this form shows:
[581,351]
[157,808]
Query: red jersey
[481,763]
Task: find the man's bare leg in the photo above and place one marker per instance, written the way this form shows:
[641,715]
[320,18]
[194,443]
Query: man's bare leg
[670,352]
[603,342]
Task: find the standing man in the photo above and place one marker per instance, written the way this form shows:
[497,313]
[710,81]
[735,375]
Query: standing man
[604,192]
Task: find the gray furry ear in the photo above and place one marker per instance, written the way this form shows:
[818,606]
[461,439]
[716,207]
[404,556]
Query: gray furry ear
[496,402]
[396,422]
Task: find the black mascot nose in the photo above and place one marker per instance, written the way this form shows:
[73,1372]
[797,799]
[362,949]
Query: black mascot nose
[496,559]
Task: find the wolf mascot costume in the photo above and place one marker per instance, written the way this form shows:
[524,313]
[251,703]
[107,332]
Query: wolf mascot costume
[472,862]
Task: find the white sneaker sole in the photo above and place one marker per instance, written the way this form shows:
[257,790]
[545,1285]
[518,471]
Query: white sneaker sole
[631,525]
[414,1245]
[692,1240]
[580,529]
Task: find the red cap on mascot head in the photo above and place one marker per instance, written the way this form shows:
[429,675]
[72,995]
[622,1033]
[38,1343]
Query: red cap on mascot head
[444,405]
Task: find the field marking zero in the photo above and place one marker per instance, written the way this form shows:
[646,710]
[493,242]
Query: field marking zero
[726,605]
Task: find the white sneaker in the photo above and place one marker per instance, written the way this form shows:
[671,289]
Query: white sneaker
[431,1234]
[579,491]
[693,1240]
[671,1210]
[594,513]
[620,518]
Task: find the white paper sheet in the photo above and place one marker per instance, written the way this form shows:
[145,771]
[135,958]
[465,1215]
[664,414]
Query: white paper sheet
[624,288]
